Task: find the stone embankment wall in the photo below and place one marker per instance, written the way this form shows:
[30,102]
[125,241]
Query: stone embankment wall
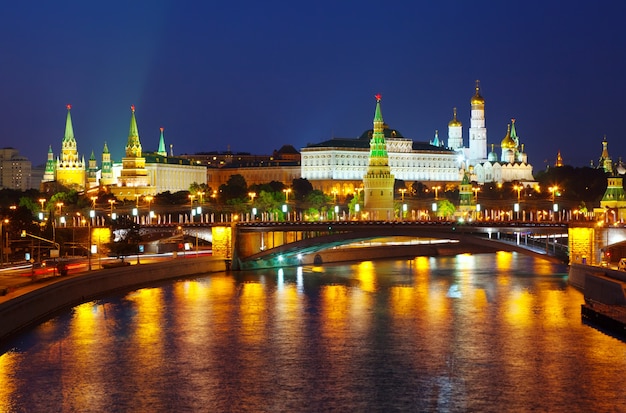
[36,305]
[604,285]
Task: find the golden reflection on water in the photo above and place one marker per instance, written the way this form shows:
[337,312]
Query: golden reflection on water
[9,363]
[252,309]
[366,276]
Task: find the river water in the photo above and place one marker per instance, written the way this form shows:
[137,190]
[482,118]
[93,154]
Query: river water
[488,332]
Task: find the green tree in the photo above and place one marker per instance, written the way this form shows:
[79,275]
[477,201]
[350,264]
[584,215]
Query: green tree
[445,208]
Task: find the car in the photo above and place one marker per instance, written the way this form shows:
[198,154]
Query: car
[621,265]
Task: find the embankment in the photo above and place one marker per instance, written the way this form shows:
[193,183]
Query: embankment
[40,303]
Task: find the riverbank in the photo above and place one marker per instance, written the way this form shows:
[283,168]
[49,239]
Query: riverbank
[34,302]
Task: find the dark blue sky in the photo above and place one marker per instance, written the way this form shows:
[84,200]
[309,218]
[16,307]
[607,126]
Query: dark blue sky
[255,75]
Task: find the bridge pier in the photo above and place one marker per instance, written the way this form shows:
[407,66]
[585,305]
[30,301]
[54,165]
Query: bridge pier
[588,242]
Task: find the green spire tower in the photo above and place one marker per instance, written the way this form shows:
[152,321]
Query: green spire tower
[378,181]
[106,174]
[49,172]
[70,170]
[134,177]
[161,151]
[92,171]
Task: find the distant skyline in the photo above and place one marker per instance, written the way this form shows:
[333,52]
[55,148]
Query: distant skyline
[253,76]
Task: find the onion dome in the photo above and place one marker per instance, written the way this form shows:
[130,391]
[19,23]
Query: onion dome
[507,142]
[454,121]
[477,99]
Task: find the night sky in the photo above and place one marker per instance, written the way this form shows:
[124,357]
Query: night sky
[255,75]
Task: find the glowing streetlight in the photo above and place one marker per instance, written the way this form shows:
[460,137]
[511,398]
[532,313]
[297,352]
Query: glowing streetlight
[436,189]
[112,202]
[287,191]
[553,190]
[149,198]
[518,188]
[252,195]
[42,201]
[476,189]
[93,201]
[200,196]
[402,191]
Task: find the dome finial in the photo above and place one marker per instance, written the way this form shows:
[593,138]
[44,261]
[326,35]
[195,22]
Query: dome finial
[378,97]
[132,108]
[68,106]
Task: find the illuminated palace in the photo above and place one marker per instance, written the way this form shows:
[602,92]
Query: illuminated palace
[339,164]
[139,174]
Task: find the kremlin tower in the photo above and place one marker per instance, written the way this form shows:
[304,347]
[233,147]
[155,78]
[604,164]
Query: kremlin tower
[134,180]
[70,170]
[477,130]
[378,181]
[106,173]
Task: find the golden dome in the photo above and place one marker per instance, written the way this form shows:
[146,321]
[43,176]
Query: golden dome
[507,142]
[455,121]
[477,99]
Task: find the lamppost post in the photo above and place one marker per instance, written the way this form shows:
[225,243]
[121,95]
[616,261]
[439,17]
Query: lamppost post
[402,191]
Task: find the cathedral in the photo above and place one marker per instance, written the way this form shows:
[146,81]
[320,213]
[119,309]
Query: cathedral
[338,164]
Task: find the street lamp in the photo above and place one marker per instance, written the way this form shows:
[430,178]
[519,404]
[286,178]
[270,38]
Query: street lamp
[60,206]
[518,188]
[149,198]
[42,201]
[476,189]
[200,196]
[112,202]
[402,191]
[93,201]
[193,212]
[436,189]
[287,191]
[252,195]
[553,190]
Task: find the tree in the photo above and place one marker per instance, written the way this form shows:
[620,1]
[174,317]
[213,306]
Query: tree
[235,187]
[301,188]
[445,208]
[127,238]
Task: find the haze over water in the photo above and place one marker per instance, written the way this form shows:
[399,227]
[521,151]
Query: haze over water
[492,332]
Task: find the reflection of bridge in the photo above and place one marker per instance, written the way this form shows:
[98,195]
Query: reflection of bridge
[272,244]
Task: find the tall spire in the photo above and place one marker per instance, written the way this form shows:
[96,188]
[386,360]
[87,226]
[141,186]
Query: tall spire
[69,129]
[378,146]
[378,181]
[133,146]
[162,151]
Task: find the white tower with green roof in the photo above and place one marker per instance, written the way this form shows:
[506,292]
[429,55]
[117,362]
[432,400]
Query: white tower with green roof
[49,172]
[106,173]
[378,181]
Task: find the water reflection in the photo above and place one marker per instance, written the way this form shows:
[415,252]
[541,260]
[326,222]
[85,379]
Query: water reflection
[464,333]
